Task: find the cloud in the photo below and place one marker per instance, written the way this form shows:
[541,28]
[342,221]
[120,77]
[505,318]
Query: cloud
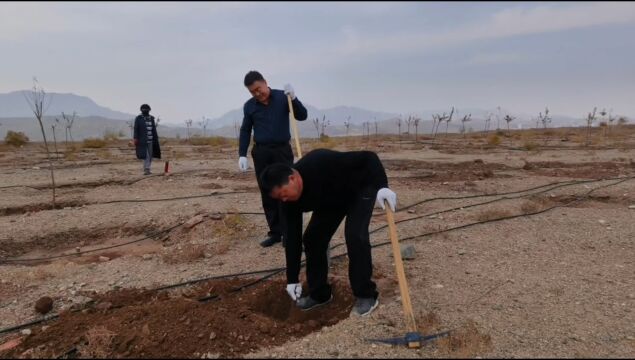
[506,23]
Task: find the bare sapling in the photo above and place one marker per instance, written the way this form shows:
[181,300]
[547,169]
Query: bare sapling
[347,125]
[416,124]
[203,124]
[509,119]
[589,122]
[39,102]
[188,125]
[465,119]
[70,120]
[399,129]
[53,126]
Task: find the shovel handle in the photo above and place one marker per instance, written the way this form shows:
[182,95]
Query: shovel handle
[294,126]
[401,276]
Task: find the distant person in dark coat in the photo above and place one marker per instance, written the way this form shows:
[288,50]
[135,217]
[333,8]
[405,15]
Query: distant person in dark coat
[146,139]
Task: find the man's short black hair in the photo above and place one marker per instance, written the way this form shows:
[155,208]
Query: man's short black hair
[145,106]
[275,175]
[252,77]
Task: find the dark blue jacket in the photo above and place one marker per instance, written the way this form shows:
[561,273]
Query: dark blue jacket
[269,122]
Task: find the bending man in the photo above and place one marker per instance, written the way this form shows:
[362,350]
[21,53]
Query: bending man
[333,185]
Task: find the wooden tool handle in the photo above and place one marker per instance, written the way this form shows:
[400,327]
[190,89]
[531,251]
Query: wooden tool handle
[401,274]
[294,126]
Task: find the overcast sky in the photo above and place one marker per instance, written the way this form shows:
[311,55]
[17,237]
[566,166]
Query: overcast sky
[189,59]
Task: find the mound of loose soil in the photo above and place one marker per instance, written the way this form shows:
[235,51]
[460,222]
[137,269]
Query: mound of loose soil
[150,324]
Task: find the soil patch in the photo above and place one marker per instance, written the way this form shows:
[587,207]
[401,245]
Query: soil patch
[150,324]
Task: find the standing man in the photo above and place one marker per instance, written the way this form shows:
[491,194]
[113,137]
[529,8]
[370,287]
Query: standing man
[267,113]
[146,139]
[333,185]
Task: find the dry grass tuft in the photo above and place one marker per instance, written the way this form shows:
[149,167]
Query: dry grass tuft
[493,214]
[99,341]
[465,342]
[189,254]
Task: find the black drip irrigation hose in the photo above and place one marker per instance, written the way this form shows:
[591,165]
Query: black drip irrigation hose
[275,271]
[557,185]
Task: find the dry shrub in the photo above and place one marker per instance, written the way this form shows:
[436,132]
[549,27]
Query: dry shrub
[492,214]
[99,341]
[16,139]
[178,155]
[465,342]
[104,154]
[493,140]
[189,254]
[530,145]
[94,143]
[429,322]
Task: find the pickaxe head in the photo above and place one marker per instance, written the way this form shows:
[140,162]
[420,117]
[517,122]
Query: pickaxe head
[411,339]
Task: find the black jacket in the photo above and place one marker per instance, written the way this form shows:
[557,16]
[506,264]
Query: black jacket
[142,137]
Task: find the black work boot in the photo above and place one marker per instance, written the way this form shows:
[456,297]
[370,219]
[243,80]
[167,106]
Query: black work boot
[270,241]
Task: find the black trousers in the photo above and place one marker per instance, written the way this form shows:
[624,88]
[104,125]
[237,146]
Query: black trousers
[265,155]
[317,236]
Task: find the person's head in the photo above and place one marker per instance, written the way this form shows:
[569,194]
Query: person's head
[257,86]
[281,182]
[145,109]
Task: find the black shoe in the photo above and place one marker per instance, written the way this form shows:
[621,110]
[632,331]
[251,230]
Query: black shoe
[307,303]
[364,306]
[270,241]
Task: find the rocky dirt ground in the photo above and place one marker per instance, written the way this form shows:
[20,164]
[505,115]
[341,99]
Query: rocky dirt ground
[523,248]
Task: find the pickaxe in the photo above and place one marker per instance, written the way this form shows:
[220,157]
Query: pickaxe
[413,337]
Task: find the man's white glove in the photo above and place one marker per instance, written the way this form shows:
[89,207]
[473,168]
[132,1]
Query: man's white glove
[242,163]
[294,290]
[288,90]
[387,195]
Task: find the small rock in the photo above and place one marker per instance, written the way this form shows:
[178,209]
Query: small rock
[602,222]
[437,286]
[445,183]
[497,307]
[36,168]
[104,258]
[408,252]
[632,207]
[44,305]
[212,335]
[26,332]
[219,178]
[146,330]
[216,217]
[461,252]
[147,256]
[411,211]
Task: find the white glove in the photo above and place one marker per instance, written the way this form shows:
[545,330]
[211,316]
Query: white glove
[288,90]
[294,290]
[243,165]
[387,195]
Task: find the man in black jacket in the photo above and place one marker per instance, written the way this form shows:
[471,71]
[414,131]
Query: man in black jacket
[267,113]
[146,139]
[333,185]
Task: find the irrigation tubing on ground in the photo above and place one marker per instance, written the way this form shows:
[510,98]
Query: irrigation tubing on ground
[278,270]
[557,185]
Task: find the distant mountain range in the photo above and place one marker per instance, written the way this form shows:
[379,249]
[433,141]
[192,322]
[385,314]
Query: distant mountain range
[14,105]
[95,120]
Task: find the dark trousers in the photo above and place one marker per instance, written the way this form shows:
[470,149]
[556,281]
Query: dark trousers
[263,156]
[317,236]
